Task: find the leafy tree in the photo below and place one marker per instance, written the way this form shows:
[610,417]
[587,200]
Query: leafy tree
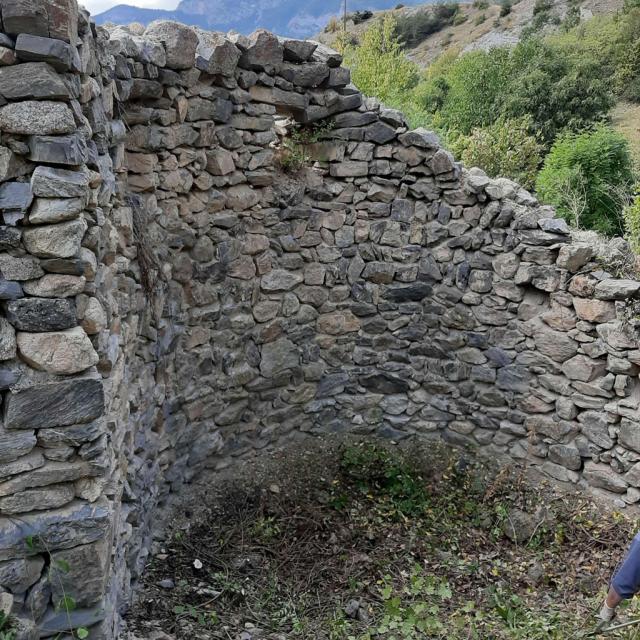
[379,66]
[588,176]
[473,89]
[555,92]
[505,148]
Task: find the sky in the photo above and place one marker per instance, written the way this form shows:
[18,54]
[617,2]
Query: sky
[98,6]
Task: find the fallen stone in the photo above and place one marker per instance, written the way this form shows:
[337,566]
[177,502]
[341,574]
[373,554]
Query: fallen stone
[55,405]
[602,476]
[42,314]
[37,117]
[55,241]
[62,353]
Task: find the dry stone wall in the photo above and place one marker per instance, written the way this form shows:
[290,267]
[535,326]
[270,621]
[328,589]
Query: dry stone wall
[172,298]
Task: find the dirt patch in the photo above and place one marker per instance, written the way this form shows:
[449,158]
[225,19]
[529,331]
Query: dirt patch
[361,540]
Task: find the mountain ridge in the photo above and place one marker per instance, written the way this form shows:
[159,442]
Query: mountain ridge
[284,17]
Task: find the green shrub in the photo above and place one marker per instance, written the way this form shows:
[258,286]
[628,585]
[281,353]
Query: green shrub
[505,8]
[588,177]
[505,148]
[379,66]
[361,16]
[632,223]
[418,26]
[481,5]
[480,18]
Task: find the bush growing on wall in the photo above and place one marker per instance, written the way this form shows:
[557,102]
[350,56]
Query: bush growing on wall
[505,148]
[588,177]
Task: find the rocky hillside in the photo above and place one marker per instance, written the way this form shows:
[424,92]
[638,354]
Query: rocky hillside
[285,17]
[480,24]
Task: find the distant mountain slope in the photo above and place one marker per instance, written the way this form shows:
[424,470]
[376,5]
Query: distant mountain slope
[285,17]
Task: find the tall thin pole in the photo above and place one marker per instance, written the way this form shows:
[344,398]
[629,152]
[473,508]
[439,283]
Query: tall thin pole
[344,17]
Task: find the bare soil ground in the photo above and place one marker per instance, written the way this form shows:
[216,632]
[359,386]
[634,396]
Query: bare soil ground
[353,540]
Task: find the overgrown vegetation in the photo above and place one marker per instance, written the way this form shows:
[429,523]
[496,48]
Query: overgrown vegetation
[415,27]
[589,177]
[505,148]
[507,108]
[6,627]
[371,542]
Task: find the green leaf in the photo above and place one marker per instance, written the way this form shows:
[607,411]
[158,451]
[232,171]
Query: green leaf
[82,633]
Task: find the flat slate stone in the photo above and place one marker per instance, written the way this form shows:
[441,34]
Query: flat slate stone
[32,81]
[14,445]
[68,150]
[73,525]
[10,290]
[55,405]
[61,56]
[15,199]
[42,314]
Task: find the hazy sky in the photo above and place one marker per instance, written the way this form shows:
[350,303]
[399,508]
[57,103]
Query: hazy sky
[97,6]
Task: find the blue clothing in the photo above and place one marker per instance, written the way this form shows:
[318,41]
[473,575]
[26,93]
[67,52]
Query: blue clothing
[626,580]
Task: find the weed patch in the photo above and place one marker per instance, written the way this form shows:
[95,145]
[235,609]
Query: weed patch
[371,542]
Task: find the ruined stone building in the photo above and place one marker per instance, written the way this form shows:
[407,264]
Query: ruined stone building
[211,244]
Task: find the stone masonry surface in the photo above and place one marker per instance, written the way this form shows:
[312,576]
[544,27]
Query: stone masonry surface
[172,299]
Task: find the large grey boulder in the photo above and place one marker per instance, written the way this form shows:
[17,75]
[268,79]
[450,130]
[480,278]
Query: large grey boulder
[216,55]
[180,42]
